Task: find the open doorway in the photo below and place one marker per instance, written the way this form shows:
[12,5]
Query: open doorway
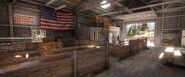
[114,32]
[137,30]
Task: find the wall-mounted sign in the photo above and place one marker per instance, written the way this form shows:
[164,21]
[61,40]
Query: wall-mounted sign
[24,19]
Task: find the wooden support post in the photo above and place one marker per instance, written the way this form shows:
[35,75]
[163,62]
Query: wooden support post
[75,68]
[10,12]
[107,48]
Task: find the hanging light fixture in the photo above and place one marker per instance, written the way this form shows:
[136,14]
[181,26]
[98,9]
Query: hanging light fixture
[105,4]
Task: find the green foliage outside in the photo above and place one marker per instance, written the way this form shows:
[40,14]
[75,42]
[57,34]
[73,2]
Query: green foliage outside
[143,27]
[135,30]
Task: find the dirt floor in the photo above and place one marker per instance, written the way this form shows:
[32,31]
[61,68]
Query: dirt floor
[144,64]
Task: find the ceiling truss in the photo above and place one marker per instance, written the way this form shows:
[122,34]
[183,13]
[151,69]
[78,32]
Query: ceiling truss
[94,5]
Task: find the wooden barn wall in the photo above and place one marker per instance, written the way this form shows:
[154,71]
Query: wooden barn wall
[158,32]
[169,32]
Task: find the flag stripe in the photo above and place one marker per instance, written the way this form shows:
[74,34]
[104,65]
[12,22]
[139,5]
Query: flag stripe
[55,28]
[60,23]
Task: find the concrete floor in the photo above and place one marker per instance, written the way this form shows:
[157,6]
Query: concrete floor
[144,64]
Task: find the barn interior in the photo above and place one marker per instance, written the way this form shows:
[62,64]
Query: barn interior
[92,38]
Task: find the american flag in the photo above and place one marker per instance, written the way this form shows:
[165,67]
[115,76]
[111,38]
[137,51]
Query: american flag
[56,19]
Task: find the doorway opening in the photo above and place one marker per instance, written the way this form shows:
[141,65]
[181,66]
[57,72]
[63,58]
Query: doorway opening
[137,30]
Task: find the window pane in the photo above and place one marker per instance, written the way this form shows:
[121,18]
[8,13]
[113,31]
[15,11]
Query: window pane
[4,31]
[4,15]
[22,31]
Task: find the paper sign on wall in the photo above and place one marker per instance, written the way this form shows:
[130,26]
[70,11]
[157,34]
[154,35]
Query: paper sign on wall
[24,19]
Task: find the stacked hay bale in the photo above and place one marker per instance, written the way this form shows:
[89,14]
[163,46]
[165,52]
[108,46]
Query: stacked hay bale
[48,49]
